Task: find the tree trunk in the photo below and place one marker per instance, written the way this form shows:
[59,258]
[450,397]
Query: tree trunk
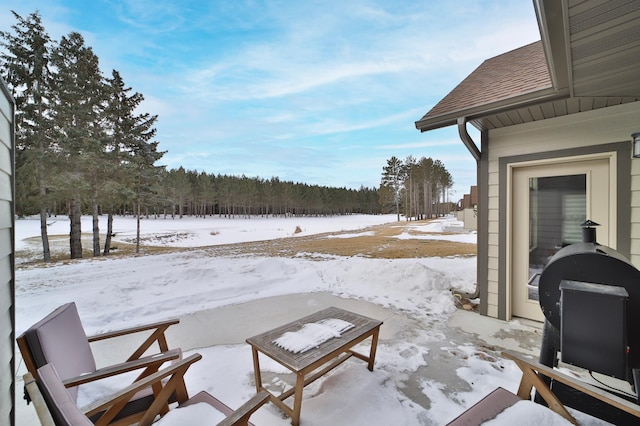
[46,251]
[406,202]
[75,234]
[138,228]
[96,232]
[107,240]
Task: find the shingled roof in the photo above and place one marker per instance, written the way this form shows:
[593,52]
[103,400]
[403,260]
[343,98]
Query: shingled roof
[512,75]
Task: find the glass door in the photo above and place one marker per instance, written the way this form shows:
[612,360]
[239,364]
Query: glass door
[548,205]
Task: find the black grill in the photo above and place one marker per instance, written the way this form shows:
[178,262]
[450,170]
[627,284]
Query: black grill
[592,263]
[590,296]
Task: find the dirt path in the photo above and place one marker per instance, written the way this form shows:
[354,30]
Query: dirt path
[380,241]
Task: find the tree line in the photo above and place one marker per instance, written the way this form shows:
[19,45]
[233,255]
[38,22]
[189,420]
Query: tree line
[416,188]
[183,192]
[84,147]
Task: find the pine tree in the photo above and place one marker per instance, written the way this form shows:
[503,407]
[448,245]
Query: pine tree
[25,67]
[147,174]
[131,138]
[442,183]
[128,148]
[393,180]
[408,169]
[425,170]
[77,114]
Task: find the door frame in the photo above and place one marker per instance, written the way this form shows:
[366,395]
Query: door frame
[612,159]
[493,207]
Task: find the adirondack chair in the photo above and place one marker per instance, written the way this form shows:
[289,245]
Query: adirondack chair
[501,399]
[59,339]
[55,405]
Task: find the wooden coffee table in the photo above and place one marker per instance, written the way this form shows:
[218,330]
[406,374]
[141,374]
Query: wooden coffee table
[314,363]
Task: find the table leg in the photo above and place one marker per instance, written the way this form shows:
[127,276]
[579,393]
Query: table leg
[297,400]
[256,369]
[374,346]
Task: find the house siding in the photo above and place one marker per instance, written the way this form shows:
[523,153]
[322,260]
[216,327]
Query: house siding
[493,229]
[7,273]
[602,130]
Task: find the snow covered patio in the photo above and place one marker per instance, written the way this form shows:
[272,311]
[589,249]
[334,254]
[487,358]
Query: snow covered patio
[435,364]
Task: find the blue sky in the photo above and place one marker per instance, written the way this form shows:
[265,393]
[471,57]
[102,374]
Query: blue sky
[320,92]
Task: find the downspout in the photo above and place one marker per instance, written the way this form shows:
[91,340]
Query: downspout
[466,139]
[475,152]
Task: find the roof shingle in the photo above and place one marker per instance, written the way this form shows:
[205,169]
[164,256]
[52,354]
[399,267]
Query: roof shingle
[518,72]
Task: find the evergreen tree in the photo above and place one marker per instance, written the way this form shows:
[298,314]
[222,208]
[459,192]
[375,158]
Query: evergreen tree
[25,67]
[142,156]
[442,183]
[393,180]
[77,114]
[425,171]
[409,169]
[131,156]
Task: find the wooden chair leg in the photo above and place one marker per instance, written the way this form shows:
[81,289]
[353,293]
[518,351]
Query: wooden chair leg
[530,378]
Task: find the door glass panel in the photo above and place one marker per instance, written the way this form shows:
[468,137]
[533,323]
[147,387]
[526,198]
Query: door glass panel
[557,208]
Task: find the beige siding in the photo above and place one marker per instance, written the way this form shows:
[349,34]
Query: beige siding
[492,311]
[597,127]
[6,262]
[492,240]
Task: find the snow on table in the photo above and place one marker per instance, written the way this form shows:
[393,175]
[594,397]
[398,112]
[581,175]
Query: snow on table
[312,335]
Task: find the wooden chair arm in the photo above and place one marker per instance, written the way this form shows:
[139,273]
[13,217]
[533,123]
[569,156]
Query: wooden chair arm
[112,404]
[240,417]
[530,378]
[150,363]
[131,330]
[157,336]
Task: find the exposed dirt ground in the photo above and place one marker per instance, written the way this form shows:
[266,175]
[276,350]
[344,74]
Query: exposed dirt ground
[378,241]
[375,242]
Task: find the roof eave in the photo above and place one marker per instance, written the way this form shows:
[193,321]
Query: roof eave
[480,111]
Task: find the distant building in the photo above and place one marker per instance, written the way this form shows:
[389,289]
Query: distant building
[468,209]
